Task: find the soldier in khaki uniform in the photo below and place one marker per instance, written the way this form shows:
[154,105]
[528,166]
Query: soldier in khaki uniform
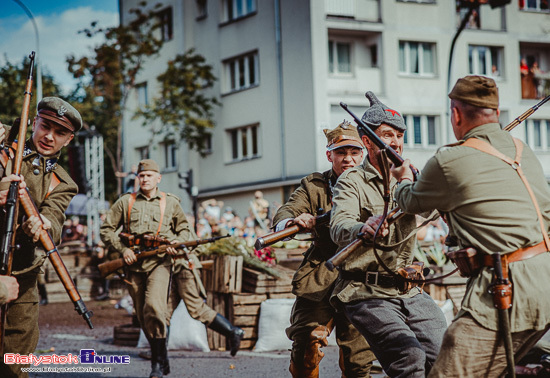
[148,211]
[403,330]
[487,207]
[52,189]
[313,282]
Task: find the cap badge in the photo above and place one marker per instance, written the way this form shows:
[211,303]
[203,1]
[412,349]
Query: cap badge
[393,112]
[62,110]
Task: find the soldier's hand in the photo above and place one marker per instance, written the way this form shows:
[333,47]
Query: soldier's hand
[305,220]
[5,184]
[372,224]
[403,172]
[12,287]
[34,226]
[172,251]
[129,256]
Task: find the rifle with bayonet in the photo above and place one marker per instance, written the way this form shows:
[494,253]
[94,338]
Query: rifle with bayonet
[274,237]
[30,210]
[7,241]
[112,266]
[396,213]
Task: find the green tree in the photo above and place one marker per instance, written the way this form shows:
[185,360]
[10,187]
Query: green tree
[13,80]
[108,75]
[183,105]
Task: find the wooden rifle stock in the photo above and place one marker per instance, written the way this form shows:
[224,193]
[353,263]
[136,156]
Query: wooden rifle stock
[112,266]
[274,237]
[7,243]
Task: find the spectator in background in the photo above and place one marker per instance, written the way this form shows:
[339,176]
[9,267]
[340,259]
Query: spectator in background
[131,184]
[259,209]
[212,209]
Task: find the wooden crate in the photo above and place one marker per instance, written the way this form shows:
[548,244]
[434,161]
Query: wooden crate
[225,275]
[263,283]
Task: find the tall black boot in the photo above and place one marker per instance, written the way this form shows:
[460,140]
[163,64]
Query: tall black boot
[43,294]
[156,357]
[163,355]
[232,333]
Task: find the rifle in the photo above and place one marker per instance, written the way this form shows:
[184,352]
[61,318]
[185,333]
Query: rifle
[7,242]
[112,266]
[31,210]
[274,237]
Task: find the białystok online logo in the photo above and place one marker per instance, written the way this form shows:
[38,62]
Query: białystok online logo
[87,356]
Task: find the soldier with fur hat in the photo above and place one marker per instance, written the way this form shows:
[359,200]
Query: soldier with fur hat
[313,282]
[404,330]
[478,183]
[52,189]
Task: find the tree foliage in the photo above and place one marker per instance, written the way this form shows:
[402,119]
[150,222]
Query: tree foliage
[13,80]
[183,104]
[108,75]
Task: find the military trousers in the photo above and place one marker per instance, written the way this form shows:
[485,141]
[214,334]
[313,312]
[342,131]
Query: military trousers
[21,334]
[186,288]
[306,315]
[405,334]
[149,291]
[471,350]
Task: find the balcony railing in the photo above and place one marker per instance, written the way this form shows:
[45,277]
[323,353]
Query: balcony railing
[361,10]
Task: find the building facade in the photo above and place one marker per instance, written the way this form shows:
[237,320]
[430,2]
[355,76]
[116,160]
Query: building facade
[284,66]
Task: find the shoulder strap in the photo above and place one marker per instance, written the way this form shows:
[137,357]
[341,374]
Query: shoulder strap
[487,148]
[162,204]
[53,184]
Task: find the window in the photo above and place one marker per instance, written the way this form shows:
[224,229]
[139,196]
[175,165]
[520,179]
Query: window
[171,155]
[241,72]
[421,131]
[166,24]
[235,9]
[142,98]
[339,57]
[202,9]
[485,60]
[208,144]
[417,58]
[535,5]
[244,143]
[142,152]
[537,134]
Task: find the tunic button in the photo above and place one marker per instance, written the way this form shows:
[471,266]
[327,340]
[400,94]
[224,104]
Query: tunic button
[36,171]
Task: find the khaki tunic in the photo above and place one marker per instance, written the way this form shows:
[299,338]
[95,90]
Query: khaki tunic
[22,319]
[357,196]
[312,280]
[489,209]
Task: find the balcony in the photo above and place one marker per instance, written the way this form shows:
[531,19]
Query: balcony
[359,10]
[535,70]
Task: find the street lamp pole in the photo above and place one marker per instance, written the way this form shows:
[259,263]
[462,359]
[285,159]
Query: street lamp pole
[38,56]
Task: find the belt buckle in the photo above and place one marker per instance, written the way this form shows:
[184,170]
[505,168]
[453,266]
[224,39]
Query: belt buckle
[372,274]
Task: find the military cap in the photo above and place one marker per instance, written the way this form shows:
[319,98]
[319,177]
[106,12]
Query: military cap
[378,113]
[148,165]
[344,135]
[60,112]
[476,90]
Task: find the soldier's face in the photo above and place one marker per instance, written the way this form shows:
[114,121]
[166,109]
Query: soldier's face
[392,137]
[49,137]
[148,180]
[344,158]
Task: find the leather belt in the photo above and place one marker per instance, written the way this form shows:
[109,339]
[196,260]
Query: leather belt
[369,278]
[521,254]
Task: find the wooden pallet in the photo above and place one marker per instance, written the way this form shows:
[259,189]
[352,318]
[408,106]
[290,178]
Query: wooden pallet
[263,283]
[225,276]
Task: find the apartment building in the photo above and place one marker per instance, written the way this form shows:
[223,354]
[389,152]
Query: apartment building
[284,66]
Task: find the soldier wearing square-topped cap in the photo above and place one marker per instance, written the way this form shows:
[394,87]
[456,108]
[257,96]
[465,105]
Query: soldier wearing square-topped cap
[313,282]
[52,189]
